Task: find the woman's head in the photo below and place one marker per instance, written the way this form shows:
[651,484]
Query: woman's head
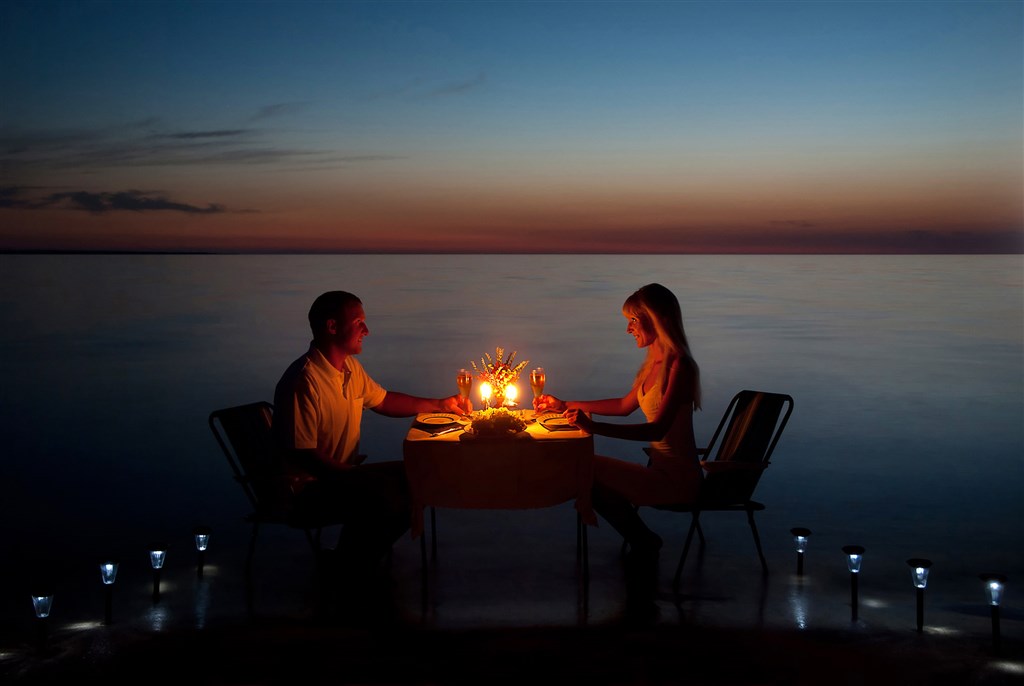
[655,316]
[656,312]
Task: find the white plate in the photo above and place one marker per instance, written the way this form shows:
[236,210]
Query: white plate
[437,419]
[555,422]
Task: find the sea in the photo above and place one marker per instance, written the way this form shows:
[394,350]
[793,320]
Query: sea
[907,374]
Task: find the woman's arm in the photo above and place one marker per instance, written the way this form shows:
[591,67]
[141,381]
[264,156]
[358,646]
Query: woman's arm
[613,407]
[678,397]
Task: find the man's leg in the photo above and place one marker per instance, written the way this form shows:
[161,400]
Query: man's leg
[376,511]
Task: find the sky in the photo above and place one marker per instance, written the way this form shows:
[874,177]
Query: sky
[813,126]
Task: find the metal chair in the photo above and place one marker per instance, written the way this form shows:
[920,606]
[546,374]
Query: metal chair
[244,434]
[749,431]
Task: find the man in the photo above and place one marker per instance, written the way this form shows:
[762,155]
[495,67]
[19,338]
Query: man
[318,406]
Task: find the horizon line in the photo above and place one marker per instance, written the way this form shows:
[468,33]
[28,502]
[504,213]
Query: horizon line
[57,251]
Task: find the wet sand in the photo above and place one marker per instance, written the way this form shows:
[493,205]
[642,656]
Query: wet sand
[509,607]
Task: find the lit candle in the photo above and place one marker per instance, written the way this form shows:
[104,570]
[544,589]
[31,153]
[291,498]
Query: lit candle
[485,393]
[510,395]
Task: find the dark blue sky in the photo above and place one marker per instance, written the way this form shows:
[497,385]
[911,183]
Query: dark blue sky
[563,126]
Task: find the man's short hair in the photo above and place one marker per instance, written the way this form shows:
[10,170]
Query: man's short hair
[330,305]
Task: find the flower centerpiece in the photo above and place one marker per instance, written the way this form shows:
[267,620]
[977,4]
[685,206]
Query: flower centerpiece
[499,374]
[496,422]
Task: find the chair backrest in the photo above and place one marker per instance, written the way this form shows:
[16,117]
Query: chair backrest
[749,431]
[244,434]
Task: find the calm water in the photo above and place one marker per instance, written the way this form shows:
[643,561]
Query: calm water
[908,376]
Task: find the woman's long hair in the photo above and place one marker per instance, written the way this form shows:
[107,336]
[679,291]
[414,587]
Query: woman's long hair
[661,308]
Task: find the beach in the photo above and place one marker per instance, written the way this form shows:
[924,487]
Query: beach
[511,609]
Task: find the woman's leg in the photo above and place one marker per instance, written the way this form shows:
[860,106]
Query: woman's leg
[618,487]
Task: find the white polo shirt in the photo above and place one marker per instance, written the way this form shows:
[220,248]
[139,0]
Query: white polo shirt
[317,407]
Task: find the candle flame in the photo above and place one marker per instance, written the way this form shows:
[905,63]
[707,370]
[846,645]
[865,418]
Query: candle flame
[510,393]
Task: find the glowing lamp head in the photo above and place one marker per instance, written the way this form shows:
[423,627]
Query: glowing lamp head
[919,571]
[202,534]
[994,586]
[854,557]
[108,572]
[41,603]
[157,555]
[800,538]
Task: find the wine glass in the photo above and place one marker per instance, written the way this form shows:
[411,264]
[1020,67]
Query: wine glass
[537,378]
[465,381]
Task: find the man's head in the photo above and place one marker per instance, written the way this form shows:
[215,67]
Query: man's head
[337,318]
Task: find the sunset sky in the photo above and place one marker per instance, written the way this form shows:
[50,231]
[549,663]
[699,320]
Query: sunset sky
[575,126]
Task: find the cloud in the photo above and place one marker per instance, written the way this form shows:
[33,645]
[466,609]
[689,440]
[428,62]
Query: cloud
[15,143]
[189,135]
[9,197]
[416,89]
[99,203]
[456,87]
[278,110]
[143,143]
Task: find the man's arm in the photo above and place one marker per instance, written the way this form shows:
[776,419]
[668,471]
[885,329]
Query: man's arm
[397,404]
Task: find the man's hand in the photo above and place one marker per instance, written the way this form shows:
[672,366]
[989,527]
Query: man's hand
[456,404]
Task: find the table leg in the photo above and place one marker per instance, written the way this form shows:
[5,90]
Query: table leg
[586,559]
[582,551]
[579,536]
[423,571]
[433,533]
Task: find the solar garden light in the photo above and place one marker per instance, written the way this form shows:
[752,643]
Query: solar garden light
[157,555]
[919,575]
[202,534]
[854,558]
[108,573]
[42,601]
[800,538]
[994,586]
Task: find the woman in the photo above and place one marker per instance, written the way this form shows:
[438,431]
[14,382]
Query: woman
[667,389]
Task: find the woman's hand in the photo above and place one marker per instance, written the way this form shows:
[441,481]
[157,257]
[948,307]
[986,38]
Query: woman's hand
[548,403]
[580,419]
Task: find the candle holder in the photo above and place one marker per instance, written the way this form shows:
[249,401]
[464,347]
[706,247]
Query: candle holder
[854,559]
[919,575]
[800,539]
[995,584]
[108,574]
[485,394]
[202,536]
[157,556]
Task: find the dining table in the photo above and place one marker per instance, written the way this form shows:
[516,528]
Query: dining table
[548,463]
